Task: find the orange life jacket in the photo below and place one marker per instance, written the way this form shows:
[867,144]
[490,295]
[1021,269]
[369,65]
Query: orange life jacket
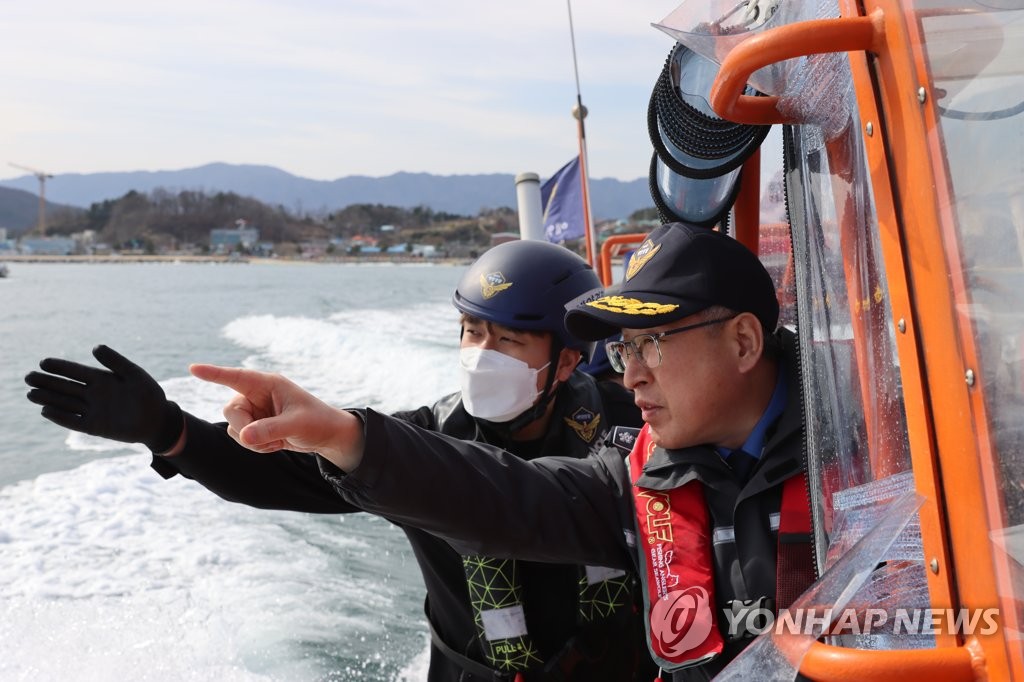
[677,566]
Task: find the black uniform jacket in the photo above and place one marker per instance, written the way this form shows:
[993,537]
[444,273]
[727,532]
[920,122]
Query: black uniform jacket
[293,481]
[578,510]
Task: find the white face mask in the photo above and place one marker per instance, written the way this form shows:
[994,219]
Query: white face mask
[495,386]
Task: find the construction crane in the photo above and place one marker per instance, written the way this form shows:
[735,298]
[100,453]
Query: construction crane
[43,177]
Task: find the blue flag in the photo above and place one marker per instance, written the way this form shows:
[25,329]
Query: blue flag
[562,199]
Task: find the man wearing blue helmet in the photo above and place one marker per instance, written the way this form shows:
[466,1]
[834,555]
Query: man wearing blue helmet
[711,507]
[490,619]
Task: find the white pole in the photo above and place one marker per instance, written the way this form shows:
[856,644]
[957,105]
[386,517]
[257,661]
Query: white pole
[531,218]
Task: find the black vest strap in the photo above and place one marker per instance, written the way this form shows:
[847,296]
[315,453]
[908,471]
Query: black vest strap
[558,669]
[472,667]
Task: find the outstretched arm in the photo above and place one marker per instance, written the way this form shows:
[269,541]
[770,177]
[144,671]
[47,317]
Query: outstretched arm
[484,500]
[119,400]
[271,413]
[481,499]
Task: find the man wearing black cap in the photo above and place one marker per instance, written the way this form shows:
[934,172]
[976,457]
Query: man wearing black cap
[711,507]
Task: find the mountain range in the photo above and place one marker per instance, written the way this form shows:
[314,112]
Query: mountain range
[19,210]
[459,194]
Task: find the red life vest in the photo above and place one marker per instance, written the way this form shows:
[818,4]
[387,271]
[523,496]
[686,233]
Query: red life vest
[677,567]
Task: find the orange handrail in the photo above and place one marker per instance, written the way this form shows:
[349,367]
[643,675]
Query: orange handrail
[825,663]
[778,44]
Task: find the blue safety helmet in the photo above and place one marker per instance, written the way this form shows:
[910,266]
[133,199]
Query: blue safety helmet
[526,284]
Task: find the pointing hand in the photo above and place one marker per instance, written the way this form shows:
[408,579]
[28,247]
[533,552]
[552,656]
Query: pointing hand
[272,413]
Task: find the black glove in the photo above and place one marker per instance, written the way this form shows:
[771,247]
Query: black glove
[124,404]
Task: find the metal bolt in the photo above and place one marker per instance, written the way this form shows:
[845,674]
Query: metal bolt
[934,565]
[922,94]
[869,129]
[969,377]
[902,326]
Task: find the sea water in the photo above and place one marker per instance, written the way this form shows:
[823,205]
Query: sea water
[109,572]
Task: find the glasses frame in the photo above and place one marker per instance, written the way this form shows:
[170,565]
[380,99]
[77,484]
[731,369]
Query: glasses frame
[629,348]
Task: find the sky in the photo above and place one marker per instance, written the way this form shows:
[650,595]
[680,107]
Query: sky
[327,88]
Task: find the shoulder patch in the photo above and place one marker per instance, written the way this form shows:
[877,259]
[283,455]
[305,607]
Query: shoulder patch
[584,422]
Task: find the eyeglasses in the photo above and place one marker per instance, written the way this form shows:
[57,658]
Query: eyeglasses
[647,347]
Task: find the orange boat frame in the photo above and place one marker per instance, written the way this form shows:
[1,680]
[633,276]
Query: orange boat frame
[952,451]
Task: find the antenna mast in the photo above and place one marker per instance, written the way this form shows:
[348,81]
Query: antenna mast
[579,112]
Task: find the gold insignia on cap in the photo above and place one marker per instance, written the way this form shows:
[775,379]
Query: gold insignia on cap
[640,257]
[584,422]
[493,283]
[631,306]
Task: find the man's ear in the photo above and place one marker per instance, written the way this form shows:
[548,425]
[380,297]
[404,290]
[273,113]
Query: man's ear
[567,361]
[748,336]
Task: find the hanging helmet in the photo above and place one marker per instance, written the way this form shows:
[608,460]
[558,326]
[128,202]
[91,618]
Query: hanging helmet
[526,284]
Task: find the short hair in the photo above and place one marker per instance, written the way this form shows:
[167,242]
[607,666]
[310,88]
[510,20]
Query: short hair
[467,318]
[772,341]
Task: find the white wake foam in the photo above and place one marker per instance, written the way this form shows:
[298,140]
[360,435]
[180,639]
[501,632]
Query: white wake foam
[110,572]
[361,358]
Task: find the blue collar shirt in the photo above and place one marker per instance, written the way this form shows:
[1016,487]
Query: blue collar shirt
[776,406]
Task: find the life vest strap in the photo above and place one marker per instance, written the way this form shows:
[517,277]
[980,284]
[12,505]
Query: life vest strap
[474,668]
[557,669]
[795,568]
[674,541]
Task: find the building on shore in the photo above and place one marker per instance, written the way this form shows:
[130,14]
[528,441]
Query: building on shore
[239,237]
[47,246]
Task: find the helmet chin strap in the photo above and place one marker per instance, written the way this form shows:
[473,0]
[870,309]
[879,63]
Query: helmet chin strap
[506,429]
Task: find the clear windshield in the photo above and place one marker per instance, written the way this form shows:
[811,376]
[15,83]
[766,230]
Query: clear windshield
[975,54]
[859,455]
[856,427]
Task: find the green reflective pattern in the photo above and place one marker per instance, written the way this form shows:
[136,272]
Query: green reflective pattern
[493,585]
[601,600]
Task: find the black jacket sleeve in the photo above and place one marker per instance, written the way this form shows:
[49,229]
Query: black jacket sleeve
[278,480]
[484,500]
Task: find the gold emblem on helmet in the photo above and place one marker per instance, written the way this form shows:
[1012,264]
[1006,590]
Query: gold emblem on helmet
[631,306]
[493,283]
[584,422]
[640,257]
